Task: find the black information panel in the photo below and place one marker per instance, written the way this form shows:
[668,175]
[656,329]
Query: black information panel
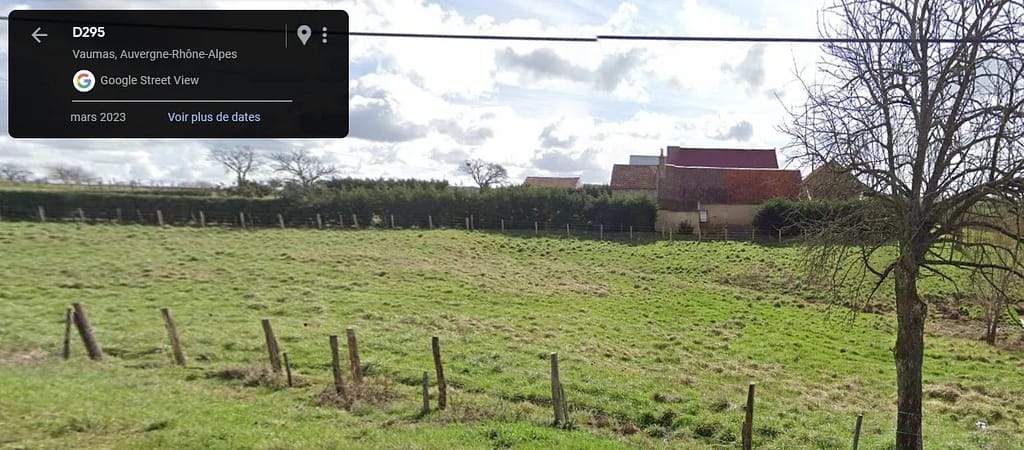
[178,74]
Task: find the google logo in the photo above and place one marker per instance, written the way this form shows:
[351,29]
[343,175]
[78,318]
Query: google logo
[84,81]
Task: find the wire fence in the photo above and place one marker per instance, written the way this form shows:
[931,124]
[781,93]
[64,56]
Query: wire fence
[333,220]
[350,368]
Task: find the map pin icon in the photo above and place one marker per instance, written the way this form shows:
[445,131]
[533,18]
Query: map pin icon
[303,33]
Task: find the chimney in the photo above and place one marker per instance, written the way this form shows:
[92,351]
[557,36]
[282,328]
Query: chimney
[659,176]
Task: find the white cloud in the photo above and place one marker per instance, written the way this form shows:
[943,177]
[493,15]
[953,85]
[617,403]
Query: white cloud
[420,106]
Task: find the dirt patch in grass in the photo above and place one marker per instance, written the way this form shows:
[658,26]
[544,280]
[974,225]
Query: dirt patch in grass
[22,357]
[255,376]
[373,391]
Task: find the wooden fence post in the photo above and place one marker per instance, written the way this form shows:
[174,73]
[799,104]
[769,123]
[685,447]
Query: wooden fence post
[567,231]
[319,222]
[430,222]
[341,221]
[241,219]
[502,225]
[68,317]
[272,349]
[339,380]
[288,369]
[138,213]
[159,217]
[748,422]
[780,235]
[442,385]
[631,232]
[725,230]
[117,213]
[172,333]
[426,393]
[556,390]
[280,221]
[536,229]
[81,215]
[601,232]
[392,221]
[355,221]
[467,223]
[670,235]
[353,357]
[753,235]
[856,431]
[85,330]
[202,219]
[472,223]
[41,213]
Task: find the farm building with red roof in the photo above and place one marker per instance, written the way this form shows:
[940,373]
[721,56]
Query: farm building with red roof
[726,158]
[707,188]
[635,180]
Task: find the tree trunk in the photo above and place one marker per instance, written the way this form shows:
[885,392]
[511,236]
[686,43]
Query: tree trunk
[992,324]
[909,355]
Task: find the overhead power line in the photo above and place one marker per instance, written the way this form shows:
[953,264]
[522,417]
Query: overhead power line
[630,37]
[670,38]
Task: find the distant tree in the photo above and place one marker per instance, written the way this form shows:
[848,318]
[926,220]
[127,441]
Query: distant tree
[14,173]
[70,174]
[303,167]
[996,291]
[484,173]
[240,160]
[922,101]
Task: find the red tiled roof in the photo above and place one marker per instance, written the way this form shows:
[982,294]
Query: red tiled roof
[684,187]
[634,177]
[722,157]
[553,182]
[831,182]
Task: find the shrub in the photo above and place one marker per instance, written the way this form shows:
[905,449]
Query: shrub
[795,217]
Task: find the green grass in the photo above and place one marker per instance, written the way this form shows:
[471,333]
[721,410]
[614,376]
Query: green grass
[657,343]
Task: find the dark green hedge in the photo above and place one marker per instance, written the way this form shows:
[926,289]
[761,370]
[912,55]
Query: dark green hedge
[410,206]
[796,217]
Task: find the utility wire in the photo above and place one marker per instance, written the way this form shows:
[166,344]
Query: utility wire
[628,37]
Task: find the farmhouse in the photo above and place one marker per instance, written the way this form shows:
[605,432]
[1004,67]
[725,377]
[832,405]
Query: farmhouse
[629,180]
[708,188]
[831,182]
[554,182]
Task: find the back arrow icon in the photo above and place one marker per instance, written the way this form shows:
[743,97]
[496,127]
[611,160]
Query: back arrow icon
[36,35]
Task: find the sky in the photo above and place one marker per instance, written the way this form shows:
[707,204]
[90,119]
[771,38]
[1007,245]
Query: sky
[419,107]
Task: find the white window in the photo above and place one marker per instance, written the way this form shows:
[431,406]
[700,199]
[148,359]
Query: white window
[703,216]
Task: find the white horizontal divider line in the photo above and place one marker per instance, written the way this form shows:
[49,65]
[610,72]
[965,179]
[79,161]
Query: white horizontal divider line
[184,101]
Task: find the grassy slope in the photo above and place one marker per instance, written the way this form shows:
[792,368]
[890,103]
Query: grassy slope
[664,336]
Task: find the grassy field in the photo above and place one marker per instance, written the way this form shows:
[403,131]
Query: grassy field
[657,342]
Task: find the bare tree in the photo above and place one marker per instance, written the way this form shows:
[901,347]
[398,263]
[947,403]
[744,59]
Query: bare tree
[240,160]
[70,174]
[996,290]
[484,173]
[304,167]
[14,173]
[922,102]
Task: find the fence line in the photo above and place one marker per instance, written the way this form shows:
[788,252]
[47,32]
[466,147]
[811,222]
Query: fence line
[559,401]
[243,220]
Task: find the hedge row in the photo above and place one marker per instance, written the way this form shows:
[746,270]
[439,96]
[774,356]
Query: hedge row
[409,206]
[796,217]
